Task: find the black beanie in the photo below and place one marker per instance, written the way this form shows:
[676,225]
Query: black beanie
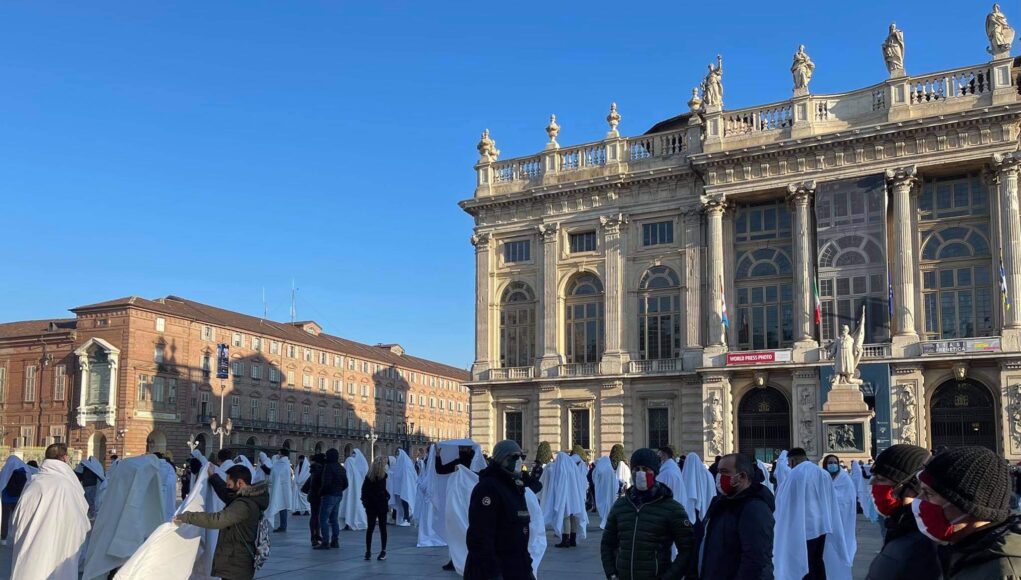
[645,458]
[900,462]
[974,479]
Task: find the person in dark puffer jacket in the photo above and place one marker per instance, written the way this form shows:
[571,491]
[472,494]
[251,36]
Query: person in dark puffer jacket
[331,491]
[643,525]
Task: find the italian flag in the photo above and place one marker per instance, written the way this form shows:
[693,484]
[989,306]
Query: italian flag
[818,303]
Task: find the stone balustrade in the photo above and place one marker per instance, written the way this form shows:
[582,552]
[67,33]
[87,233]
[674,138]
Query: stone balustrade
[869,351]
[642,367]
[578,370]
[511,373]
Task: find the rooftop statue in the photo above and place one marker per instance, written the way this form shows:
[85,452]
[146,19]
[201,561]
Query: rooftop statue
[802,69]
[712,86]
[1000,34]
[893,50]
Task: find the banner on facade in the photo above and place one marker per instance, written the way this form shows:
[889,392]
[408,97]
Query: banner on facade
[759,357]
[963,345]
[222,361]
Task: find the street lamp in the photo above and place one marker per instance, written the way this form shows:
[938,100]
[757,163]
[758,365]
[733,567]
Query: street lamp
[371,437]
[221,430]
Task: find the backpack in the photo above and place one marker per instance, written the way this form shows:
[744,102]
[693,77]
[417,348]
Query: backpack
[261,552]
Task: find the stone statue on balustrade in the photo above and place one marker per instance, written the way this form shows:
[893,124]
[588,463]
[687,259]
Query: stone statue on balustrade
[846,352]
[712,86]
[487,148]
[893,51]
[802,69]
[1000,34]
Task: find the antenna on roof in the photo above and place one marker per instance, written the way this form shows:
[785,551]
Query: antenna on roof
[265,309]
[294,311]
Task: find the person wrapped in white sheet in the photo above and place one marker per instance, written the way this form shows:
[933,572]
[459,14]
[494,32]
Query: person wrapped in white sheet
[604,479]
[299,501]
[808,535]
[443,462]
[699,487]
[281,480]
[846,494]
[352,512]
[403,481]
[563,496]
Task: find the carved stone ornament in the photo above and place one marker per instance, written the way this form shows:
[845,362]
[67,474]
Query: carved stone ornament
[906,414]
[481,240]
[806,414]
[893,51]
[715,203]
[1001,34]
[613,119]
[695,102]
[714,423]
[801,69]
[961,371]
[902,176]
[487,148]
[549,232]
[553,130]
[801,192]
[612,223]
[1014,414]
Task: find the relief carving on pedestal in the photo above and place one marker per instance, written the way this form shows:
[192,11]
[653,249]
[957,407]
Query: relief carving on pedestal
[714,423]
[1014,415]
[806,415]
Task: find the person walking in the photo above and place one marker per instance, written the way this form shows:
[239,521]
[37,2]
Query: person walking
[238,522]
[375,498]
[906,553]
[735,540]
[313,489]
[334,482]
[643,525]
[964,504]
[13,478]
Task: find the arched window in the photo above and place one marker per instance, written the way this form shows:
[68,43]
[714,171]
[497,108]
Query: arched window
[852,276]
[583,319]
[765,298]
[659,316]
[517,326]
[957,282]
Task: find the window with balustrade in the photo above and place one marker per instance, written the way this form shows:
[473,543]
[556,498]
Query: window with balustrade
[583,319]
[659,427]
[659,314]
[763,274]
[517,326]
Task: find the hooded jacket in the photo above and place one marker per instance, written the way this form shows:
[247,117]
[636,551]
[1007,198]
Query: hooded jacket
[735,540]
[238,524]
[992,553]
[907,554]
[334,478]
[641,528]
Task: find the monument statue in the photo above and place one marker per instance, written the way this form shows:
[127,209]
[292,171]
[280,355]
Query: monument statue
[907,415]
[802,68]
[1000,34]
[712,86]
[893,50]
[846,352]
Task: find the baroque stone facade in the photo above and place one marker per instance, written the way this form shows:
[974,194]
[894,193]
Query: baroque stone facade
[683,286]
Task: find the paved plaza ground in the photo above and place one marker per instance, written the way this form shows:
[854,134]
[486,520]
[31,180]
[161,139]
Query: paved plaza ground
[292,558]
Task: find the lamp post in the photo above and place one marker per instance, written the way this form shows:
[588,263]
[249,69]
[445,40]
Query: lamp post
[223,429]
[371,438]
[222,373]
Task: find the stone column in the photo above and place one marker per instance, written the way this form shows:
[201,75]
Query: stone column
[550,421]
[901,181]
[613,242]
[482,242]
[800,196]
[548,299]
[714,285]
[1006,168]
[691,294]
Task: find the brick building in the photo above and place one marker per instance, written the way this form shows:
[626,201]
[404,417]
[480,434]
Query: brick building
[133,375]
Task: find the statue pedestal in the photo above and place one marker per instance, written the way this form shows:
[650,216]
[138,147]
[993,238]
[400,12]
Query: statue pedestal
[846,429]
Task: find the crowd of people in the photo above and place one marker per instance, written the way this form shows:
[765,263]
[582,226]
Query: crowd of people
[949,515]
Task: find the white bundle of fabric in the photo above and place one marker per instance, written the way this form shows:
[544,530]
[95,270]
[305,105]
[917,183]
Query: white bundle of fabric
[133,508]
[352,512]
[670,476]
[846,494]
[782,469]
[299,501]
[257,474]
[806,508]
[424,510]
[280,482]
[50,524]
[103,485]
[172,551]
[564,486]
[435,487]
[864,488]
[764,470]
[404,485]
[699,487]
[606,484]
[93,465]
[623,475]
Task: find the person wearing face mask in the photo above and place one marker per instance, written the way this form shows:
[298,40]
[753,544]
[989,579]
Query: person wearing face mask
[964,506]
[906,553]
[642,527]
[498,520]
[847,500]
[735,540]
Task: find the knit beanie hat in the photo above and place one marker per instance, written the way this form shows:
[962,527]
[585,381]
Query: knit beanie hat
[645,457]
[900,462]
[505,449]
[974,479]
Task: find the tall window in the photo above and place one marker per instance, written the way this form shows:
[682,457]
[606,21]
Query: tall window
[144,388]
[306,381]
[274,375]
[306,415]
[271,411]
[581,429]
[161,324]
[59,382]
[290,378]
[207,333]
[274,347]
[239,340]
[30,378]
[659,316]
[659,428]
[257,371]
[254,409]
[517,326]
[157,389]
[514,426]
[656,233]
[517,251]
[582,242]
[235,407]
[256,343]
[763,275]
[583,325]
[290,412]
[852,277]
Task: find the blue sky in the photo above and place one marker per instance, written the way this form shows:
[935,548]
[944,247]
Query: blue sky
[213,149]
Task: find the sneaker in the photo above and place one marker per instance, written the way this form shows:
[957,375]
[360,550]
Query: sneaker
[368,556]
[403,524]
[322,547]
[449,566]
[382,556]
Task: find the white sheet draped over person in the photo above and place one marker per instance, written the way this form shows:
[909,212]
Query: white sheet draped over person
[443,460]
[607,487]
[563,494]
[257,475]
[424,510]
[623,475]
[863,488]
[699,487]
[168,488]
[764,471]
[12,464]
[846,494]
[91,491]
[352,512]
[806,508]
[404,486]
[132,509]
[299,501]
[782,470]
[281,494]
[50,524]
[103,485]
[174,552]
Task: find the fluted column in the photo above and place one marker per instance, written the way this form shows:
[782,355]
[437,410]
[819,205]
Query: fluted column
[613,244]
[1006,167]
[548,298]
[714,285]
[482,242]
[800,196]
[901,182]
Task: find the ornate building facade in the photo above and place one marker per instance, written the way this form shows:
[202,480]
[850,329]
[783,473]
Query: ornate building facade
[134,375]
[686,286]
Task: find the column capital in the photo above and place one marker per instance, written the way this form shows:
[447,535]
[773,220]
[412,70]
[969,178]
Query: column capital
[481,241]
[800,192]
[1007,162]
[714,204]
[548,232]
[906,176]
[612,223]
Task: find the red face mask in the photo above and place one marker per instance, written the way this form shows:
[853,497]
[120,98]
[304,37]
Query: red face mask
[932,521]
[725,483]
[644,480]
[886,503]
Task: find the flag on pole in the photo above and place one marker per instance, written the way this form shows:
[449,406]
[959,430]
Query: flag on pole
[1003,286]
[818,303]
[889,296]
[723,311]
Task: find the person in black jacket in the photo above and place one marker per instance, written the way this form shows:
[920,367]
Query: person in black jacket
[334,482]
[736,536]
[375,499]
[9,497]
[312,488]
[498,533]
[906,552]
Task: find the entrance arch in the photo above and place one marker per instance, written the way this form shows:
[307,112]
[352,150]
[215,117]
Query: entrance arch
[252,442]
[97,447]
[156,442]
[962,413]
[764,423]
[347,451]
[319,447]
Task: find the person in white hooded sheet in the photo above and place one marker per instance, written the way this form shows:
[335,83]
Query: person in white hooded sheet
[168,486]
[847,500]
[281,478]
[699,487]
[403,480]
[50,522]
[670,476]
[13,478]
[299,500]
[90,473]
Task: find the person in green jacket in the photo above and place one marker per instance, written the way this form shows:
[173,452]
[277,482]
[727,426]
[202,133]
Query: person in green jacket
[642,527]
[238,523]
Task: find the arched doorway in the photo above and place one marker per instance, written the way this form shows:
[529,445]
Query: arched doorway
[347,451]
[319,447]
[97,447]
[764,424]
[200,443]
[962,413]
[286,444]
[251,442]
[156,442]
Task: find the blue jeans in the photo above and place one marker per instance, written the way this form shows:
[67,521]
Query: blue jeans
[329,510]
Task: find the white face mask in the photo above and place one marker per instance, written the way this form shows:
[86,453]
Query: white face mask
[642,480]
[518,465]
